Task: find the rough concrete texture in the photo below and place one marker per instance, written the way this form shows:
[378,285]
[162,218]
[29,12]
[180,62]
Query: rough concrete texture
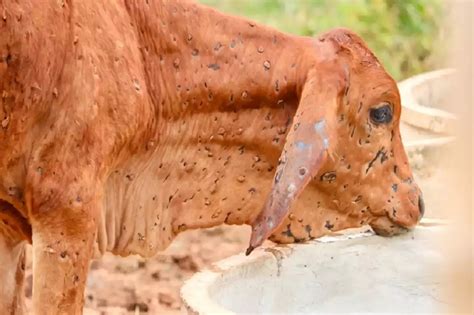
[357,273]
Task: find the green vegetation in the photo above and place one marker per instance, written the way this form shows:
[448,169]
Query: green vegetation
[404,34]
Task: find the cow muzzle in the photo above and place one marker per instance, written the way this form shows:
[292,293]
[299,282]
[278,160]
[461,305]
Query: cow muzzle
[403,214]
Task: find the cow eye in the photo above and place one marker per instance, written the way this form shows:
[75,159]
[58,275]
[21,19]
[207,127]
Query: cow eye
[382,114]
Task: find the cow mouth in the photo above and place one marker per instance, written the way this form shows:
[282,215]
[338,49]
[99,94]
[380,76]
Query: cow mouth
[393,231]
[383,226]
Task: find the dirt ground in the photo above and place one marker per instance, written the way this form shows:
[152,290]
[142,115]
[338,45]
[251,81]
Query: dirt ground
[134,285]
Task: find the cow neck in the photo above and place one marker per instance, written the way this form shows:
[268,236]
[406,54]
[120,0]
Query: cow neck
[212,76]
[200,60]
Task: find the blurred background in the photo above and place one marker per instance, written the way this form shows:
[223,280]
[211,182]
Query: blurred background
[406,35]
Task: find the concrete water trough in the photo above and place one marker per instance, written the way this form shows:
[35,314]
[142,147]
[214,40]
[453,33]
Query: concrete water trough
[426,120]
[353,271]
[350,273]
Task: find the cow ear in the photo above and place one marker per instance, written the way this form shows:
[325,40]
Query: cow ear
[308,142]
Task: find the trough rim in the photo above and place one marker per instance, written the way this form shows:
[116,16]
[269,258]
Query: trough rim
[424,117]
[417,145]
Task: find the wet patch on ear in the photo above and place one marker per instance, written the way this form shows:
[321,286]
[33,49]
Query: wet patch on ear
[291,189]
[320,128]
[270,223]
[300,145]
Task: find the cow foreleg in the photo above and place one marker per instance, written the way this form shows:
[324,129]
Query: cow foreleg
[62,248]
[12,272]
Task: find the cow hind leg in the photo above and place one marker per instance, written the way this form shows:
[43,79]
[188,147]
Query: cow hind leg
[62,248]
[12,272]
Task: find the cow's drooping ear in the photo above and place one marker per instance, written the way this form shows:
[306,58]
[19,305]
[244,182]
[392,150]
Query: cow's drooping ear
[307,144]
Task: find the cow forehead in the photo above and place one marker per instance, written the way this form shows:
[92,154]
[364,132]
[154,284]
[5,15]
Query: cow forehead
[369,88]
[353,43]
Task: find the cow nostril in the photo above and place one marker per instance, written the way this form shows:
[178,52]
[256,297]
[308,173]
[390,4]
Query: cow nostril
[421,206]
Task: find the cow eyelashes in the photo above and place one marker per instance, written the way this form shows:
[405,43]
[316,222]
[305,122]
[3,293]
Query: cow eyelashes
[382,114]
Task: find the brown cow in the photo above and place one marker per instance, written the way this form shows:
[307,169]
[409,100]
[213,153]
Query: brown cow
[126,123]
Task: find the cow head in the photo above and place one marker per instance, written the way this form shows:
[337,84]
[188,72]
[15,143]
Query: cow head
[345,144]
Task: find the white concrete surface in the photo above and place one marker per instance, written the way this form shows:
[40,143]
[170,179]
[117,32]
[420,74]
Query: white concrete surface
[355,273]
